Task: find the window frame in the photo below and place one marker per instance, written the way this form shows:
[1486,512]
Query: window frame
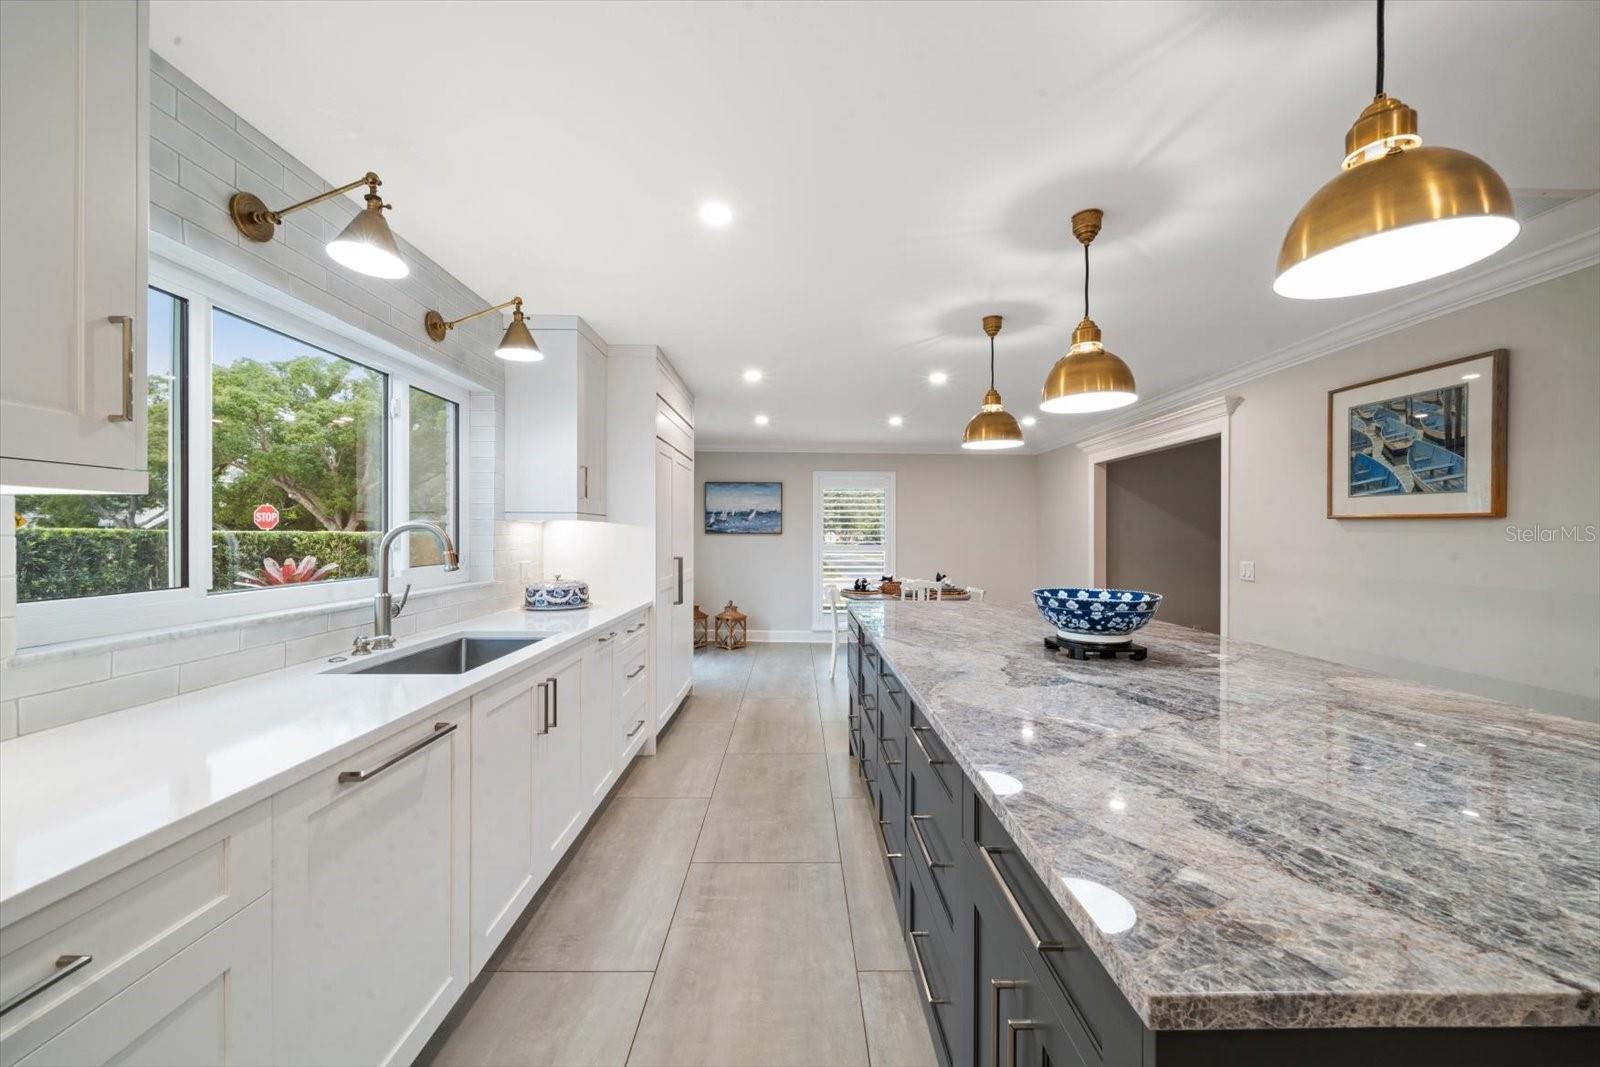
[206,286]
[821,617]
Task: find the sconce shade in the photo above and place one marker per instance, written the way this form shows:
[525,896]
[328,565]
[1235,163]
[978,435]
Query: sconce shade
[518,344]
[367,245]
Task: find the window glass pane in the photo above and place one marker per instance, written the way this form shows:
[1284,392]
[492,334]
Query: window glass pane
[83,545]
[297,460]
[854,536]
[433,473]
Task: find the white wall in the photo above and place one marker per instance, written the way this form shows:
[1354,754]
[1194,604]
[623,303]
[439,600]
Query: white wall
[1457,603]
[972,517]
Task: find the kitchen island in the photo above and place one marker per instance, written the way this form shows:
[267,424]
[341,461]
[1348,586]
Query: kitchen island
[1224,853]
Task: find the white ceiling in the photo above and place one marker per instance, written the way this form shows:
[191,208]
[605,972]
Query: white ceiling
[898,171]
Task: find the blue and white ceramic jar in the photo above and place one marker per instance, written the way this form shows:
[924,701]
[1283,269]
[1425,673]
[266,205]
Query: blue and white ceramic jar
[557,594]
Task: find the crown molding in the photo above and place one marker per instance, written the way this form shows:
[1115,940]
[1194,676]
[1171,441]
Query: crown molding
[1580,248]
[1161,430]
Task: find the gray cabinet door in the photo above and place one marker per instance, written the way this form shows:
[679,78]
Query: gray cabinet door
[1014,1017]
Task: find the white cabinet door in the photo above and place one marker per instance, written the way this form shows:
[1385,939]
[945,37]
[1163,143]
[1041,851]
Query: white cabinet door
[209,1005]
[592,430]
[599,753]
[683,516]
[505,725]
[74,196]
[371,935]
[560,801]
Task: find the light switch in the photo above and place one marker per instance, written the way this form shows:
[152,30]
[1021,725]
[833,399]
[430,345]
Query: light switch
[1247,570]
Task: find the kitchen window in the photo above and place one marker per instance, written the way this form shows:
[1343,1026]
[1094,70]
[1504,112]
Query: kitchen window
[282,446]
[852,533]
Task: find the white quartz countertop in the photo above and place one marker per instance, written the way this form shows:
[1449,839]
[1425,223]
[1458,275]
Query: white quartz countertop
[82,800]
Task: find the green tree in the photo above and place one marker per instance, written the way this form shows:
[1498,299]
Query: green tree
[305,435]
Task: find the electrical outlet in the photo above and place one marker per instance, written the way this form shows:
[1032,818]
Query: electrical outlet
[1247,570]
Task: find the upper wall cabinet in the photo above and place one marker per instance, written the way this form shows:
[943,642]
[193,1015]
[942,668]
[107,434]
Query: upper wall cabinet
[74,195]
[555,425]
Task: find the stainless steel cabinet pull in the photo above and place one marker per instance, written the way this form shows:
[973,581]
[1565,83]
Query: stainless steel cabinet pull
[585,471]
[65,967]
[606,638]
[922,843]
[544,712]
[885,839]
[634,629]
[995,986]
[637,671]
[677,561]
[126,322]
[1013,1025]
[636,727]
[440,729]
[916,735]
[555,703]
[1040,944]
[883,747]
[922,971]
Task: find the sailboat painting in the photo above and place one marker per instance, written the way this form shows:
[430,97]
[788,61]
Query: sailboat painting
[744,507]
[1428,443]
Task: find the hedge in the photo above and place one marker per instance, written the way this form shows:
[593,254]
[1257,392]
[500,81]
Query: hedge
[58,563]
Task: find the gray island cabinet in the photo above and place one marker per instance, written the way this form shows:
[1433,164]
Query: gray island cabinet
[1222,855]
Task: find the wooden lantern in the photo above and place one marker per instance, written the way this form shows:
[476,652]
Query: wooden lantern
[731,629]
[702,628]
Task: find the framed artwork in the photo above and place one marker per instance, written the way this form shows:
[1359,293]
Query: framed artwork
[1424,444]
[744,507]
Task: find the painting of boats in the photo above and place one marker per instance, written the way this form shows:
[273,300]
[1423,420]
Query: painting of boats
[1407,436]
[744,507]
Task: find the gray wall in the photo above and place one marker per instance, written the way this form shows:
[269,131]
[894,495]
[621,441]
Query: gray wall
[1163,516]
[972,517]
[1466,605]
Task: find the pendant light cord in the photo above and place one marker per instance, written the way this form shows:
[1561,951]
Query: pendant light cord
[1380,48]
[991,363]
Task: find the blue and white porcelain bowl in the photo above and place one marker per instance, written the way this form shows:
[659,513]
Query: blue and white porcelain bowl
[558,594]
[1096,616]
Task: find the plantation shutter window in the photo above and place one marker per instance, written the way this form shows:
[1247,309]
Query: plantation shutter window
[854,533]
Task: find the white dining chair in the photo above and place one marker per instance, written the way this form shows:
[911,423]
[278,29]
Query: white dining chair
[974,592]
[830,594]
[915,589]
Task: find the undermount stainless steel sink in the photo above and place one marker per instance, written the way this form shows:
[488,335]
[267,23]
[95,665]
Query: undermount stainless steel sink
[457,655]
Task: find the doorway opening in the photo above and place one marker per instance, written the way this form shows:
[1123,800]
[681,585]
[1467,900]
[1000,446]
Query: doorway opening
[1164,530]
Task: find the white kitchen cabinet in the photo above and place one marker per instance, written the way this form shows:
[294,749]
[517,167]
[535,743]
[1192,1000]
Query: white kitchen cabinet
[506,723]
[560,802]
[209,1005]
[674,579]
[74,211]
[599,754]
[371,933]
[555,425]
[630,682]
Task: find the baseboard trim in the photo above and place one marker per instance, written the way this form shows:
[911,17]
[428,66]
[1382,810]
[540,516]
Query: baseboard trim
[794,637]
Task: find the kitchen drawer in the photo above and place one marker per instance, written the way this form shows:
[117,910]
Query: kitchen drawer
[936,975]
[892,760]
[929,751]
[127,924]
[633,676]
[1091,1009]
[631,720]
[933,843]
[891,835]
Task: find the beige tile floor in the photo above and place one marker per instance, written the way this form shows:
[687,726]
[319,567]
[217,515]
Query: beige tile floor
[728,907]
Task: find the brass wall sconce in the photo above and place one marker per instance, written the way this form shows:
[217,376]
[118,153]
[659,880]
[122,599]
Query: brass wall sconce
[517,345]
[366,245]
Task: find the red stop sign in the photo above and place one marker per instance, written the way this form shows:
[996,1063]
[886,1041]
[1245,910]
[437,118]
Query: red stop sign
[265,517]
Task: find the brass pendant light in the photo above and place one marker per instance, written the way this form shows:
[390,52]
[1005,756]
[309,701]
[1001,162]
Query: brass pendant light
[993,426]
[1088,378]
[1398,213]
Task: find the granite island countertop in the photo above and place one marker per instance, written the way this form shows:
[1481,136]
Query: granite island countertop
[1248,838]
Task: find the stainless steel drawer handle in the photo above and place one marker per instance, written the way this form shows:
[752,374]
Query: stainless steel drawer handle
[995,987]
[634,629]
[555,703]
[883,747]
[922,971]
[66,966]
[544,711]
[636,727]
[126,414]
[636,671]
[1013,1025]
[885,839]
[440,729]
[1040,944]
[916,735]
[922,843]
[677,562]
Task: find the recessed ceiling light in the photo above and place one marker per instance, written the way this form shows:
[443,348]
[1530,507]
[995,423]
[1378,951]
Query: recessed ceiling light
[752,376]
[938,377]
[716,213]
[896,420]
[1471,377]
[762,420]
[1029,420]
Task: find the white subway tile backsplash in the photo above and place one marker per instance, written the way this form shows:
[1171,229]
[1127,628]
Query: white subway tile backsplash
[41,676]
[8,719]
[276,632]
[61,706]
[331,643]
[162,94]
[173,651]
[190,145]
[203,673]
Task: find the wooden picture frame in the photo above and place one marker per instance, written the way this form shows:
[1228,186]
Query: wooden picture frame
[762,500]
[1427,443]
